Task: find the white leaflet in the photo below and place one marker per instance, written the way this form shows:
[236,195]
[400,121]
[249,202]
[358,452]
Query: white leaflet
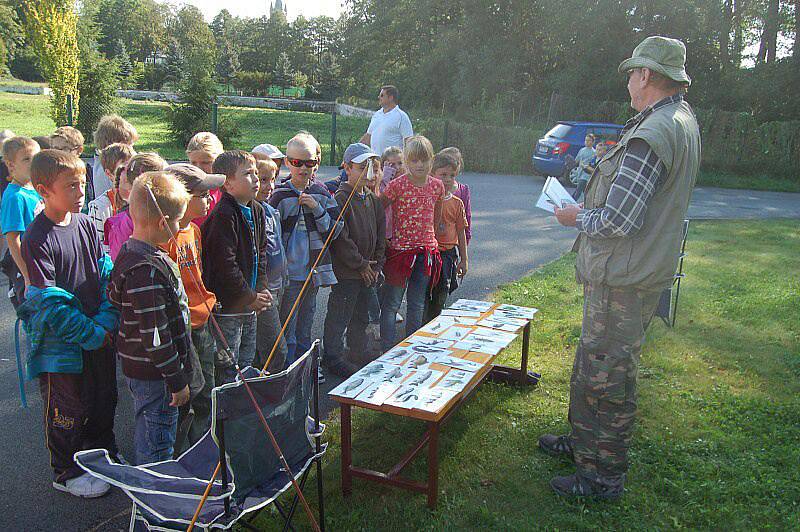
[455,380]
[429,342]
[514,311]
[490,348]
[423,377]
[396,355]
[460,363]
[500,325]
[377,392]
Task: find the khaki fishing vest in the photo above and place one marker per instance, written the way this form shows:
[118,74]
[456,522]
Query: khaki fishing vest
[648,258]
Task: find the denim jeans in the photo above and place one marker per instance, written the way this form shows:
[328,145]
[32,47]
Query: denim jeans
[348,308]
[156,422]
[298,332]
[392,297]
[206,348]
[240,333]
[269,326]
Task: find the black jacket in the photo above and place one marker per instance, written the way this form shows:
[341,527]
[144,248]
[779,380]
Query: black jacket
[228,248]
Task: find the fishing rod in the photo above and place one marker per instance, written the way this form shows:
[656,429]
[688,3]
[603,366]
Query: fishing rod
[260,414]
[310,275]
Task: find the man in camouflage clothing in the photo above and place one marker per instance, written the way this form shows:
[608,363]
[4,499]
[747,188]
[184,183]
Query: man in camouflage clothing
[629,235]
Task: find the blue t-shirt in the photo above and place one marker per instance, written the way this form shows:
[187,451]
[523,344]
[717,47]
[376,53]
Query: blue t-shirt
[248,215]
[18,208]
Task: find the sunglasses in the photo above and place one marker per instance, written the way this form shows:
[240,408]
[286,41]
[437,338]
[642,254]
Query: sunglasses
[308,163]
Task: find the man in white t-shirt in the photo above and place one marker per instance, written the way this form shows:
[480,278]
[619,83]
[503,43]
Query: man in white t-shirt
[390,125]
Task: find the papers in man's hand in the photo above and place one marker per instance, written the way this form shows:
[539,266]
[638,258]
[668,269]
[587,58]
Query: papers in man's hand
[553,194]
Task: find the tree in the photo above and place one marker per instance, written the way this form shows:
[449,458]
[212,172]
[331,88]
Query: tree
[11,35]
[193,112]
[195,40]
[328,77]
[52,30]
[228,63]
[175,63]
[124,66]
[283,75]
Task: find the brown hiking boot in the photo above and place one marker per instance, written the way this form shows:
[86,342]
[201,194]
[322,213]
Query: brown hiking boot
[578,486]
[556,445]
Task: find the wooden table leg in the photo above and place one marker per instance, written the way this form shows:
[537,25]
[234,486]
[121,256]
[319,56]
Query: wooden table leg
[526,338]
[433,464]
[347,450]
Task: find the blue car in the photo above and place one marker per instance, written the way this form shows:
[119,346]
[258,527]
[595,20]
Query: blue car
[567,138]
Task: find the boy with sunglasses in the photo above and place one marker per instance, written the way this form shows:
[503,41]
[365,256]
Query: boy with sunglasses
[308,213]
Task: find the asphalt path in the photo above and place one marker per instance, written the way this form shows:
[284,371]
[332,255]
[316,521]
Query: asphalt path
[510,238]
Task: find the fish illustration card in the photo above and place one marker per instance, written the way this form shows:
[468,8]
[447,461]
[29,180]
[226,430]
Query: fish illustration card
[456,333]
[406,396]
[503,324]
[429,342]
[514,311]
[351,387]
[455,380]
[423,378]
[434,399]
[461,312]
[472,304]
[459,363]
[481,334]
[396,355]
[378,392]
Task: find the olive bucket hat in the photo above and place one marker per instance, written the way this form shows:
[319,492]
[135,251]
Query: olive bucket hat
[660,54]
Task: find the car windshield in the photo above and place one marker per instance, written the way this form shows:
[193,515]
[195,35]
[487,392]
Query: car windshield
[560,131]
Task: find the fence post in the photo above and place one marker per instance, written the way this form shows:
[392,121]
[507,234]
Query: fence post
[333,136]
[214,117]
[70,110]
[550,109]
[446,133]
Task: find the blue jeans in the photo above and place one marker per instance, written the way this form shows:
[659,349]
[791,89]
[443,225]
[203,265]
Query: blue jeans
[156,422]
[392,297]
[298,332]
[240,333]
[374,306]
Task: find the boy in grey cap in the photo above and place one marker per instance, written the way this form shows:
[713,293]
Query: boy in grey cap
[358,257]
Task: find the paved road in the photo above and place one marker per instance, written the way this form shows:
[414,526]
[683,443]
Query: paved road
[510,239]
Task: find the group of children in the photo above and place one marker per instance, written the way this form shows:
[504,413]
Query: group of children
[183,271]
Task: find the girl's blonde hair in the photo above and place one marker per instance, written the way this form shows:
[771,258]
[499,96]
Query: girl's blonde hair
[417,148]
[144,162]
[205,141]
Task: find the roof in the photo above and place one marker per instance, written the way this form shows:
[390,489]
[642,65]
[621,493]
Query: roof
[590,124]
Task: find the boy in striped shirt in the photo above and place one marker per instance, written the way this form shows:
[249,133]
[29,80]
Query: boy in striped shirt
[153,341]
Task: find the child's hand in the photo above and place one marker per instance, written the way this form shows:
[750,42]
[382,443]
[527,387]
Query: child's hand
[368,275]
[262,301]
[462,268]
[180,398]
[307,200]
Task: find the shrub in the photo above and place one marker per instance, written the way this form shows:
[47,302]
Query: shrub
[193,112]
[25,65]
[252,83]
[97,83]
[153,77]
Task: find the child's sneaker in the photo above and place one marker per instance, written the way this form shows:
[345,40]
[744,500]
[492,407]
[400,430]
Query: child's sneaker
[320,376]
[85,486]
[398,318]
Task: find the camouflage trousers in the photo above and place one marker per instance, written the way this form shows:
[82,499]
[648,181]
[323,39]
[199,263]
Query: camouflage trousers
[602,405]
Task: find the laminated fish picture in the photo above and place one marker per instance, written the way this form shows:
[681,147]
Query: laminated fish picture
[461,312]
[372,370]
[460,363]
[435,399]
[502,324]
[455,380]
[455,333]
[429,342]
[436,326]
[473,305]
[475,346]
[351,387]
[424,378]
[405,397]
[428,350]
[396,355]
[481,334]
[377,393]
[514,311]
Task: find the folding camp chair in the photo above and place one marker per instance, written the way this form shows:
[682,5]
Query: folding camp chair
[166,494]
[667,308]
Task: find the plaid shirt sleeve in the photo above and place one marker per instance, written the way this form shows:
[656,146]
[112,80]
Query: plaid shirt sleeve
[639,176]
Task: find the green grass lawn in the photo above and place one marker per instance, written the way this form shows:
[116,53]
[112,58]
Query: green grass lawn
[716,444]
[29,115]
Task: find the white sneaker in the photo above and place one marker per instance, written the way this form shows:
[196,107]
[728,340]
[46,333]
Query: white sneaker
[84,486]
[320,376]
[398,318]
